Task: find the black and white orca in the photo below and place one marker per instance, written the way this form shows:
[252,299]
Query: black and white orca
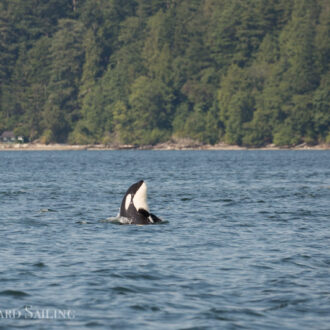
[134,205]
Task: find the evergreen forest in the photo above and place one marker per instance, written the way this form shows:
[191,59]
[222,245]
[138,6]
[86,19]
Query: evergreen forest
[243,72]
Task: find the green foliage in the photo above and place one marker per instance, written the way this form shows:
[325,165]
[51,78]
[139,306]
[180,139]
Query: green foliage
[249,72]
[321,106]
[47,136]
[81,134]
[150,110]
[67,55]
[236,102]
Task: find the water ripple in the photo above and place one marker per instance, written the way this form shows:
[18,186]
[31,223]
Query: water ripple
[245,244]
[14,293]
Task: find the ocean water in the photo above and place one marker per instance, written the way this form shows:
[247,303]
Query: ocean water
[245,243]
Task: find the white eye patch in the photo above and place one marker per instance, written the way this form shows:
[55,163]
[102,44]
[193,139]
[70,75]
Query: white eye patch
[128,201]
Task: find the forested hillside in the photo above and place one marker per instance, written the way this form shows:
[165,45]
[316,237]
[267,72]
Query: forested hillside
[246,72]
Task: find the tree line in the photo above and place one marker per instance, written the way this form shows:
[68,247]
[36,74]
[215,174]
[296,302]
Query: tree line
[245,72]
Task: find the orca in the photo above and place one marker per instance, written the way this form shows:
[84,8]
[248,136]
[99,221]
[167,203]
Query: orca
[134,205]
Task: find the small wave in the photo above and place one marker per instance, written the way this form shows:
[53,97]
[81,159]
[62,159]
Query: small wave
[185,199]
[118,220]
[145,308]
[46,210]
[138,276]
[92,324]
[123,290]
[39,264]
[230,314]
[282,302]
[13,293]
[83,222]
[12,193]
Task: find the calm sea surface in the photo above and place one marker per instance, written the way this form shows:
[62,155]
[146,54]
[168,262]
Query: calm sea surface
[245,245]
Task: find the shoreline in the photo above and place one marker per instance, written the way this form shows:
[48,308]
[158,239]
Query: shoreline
[162,146]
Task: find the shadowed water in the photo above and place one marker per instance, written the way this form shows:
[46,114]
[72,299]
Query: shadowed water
[245,243]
